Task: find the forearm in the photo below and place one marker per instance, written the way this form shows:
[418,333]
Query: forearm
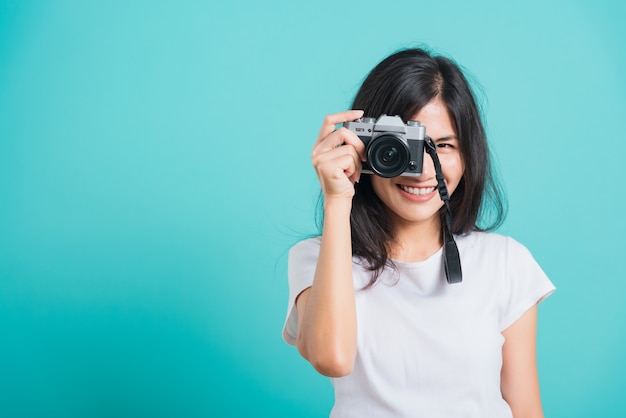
[327,333]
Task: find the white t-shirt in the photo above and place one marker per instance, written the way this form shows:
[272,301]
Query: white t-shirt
[426,348]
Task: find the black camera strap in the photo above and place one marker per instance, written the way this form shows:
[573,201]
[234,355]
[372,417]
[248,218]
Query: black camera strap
[451,258]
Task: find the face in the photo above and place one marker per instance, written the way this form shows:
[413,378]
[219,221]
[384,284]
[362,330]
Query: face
[416,199]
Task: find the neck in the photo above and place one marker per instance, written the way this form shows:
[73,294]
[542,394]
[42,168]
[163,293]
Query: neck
[416,241]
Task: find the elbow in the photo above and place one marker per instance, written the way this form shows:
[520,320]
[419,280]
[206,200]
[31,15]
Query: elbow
[333,366]
[332,363]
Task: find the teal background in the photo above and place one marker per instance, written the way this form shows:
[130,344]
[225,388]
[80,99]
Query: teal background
[154,171]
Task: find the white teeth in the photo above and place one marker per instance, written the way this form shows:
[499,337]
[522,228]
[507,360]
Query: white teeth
[417,190]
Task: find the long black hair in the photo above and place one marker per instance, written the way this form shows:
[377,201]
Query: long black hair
[402,84]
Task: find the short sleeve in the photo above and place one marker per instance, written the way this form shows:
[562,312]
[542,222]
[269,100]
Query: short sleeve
[525,284]
[301,270]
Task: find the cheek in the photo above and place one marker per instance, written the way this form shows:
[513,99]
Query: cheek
[453,168]
[378,185]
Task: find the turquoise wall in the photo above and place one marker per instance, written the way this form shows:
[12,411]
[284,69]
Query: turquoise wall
[154,171]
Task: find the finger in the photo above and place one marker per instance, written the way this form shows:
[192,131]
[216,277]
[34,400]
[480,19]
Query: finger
[346,158]
[353,171]
[350,138]
[338,152]
[340,137]
[343,167]
[331,121]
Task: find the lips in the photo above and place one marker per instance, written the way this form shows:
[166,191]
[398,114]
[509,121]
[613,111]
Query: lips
[417,191]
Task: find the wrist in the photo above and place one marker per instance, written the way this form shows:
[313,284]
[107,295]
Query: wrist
[338,204]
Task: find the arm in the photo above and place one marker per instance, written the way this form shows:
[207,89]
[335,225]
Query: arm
[326,310]
[519,377]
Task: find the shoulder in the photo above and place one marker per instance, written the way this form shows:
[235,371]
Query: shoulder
[309,249]
[491,242]
[305,253]
[493,249]
[306,246]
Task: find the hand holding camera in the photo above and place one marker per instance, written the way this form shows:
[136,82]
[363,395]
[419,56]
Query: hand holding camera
[337,156]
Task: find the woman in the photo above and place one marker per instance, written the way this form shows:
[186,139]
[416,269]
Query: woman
[369,303]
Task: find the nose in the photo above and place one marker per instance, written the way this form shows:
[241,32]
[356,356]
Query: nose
[428,167]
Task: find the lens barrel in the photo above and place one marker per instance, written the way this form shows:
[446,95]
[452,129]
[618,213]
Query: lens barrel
[388,155]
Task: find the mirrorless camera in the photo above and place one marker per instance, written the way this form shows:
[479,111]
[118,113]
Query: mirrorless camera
[392,147]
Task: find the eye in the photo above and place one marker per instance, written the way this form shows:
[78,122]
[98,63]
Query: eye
[445,147]
[447,144]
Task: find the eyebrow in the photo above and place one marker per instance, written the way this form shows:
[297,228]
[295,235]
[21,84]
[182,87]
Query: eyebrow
[446,138]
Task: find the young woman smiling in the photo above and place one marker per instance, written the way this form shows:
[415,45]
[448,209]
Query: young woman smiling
[369,304]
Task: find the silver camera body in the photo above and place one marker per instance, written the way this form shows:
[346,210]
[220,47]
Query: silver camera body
[392,147]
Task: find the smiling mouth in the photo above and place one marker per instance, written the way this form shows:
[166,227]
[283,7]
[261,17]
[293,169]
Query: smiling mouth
[418,191]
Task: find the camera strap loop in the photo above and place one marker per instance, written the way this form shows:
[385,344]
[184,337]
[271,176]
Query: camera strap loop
[451,257]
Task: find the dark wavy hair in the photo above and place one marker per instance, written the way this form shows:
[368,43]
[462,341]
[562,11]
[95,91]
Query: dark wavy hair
[402,84]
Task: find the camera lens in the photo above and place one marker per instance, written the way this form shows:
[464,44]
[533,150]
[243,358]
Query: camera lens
[387,155]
